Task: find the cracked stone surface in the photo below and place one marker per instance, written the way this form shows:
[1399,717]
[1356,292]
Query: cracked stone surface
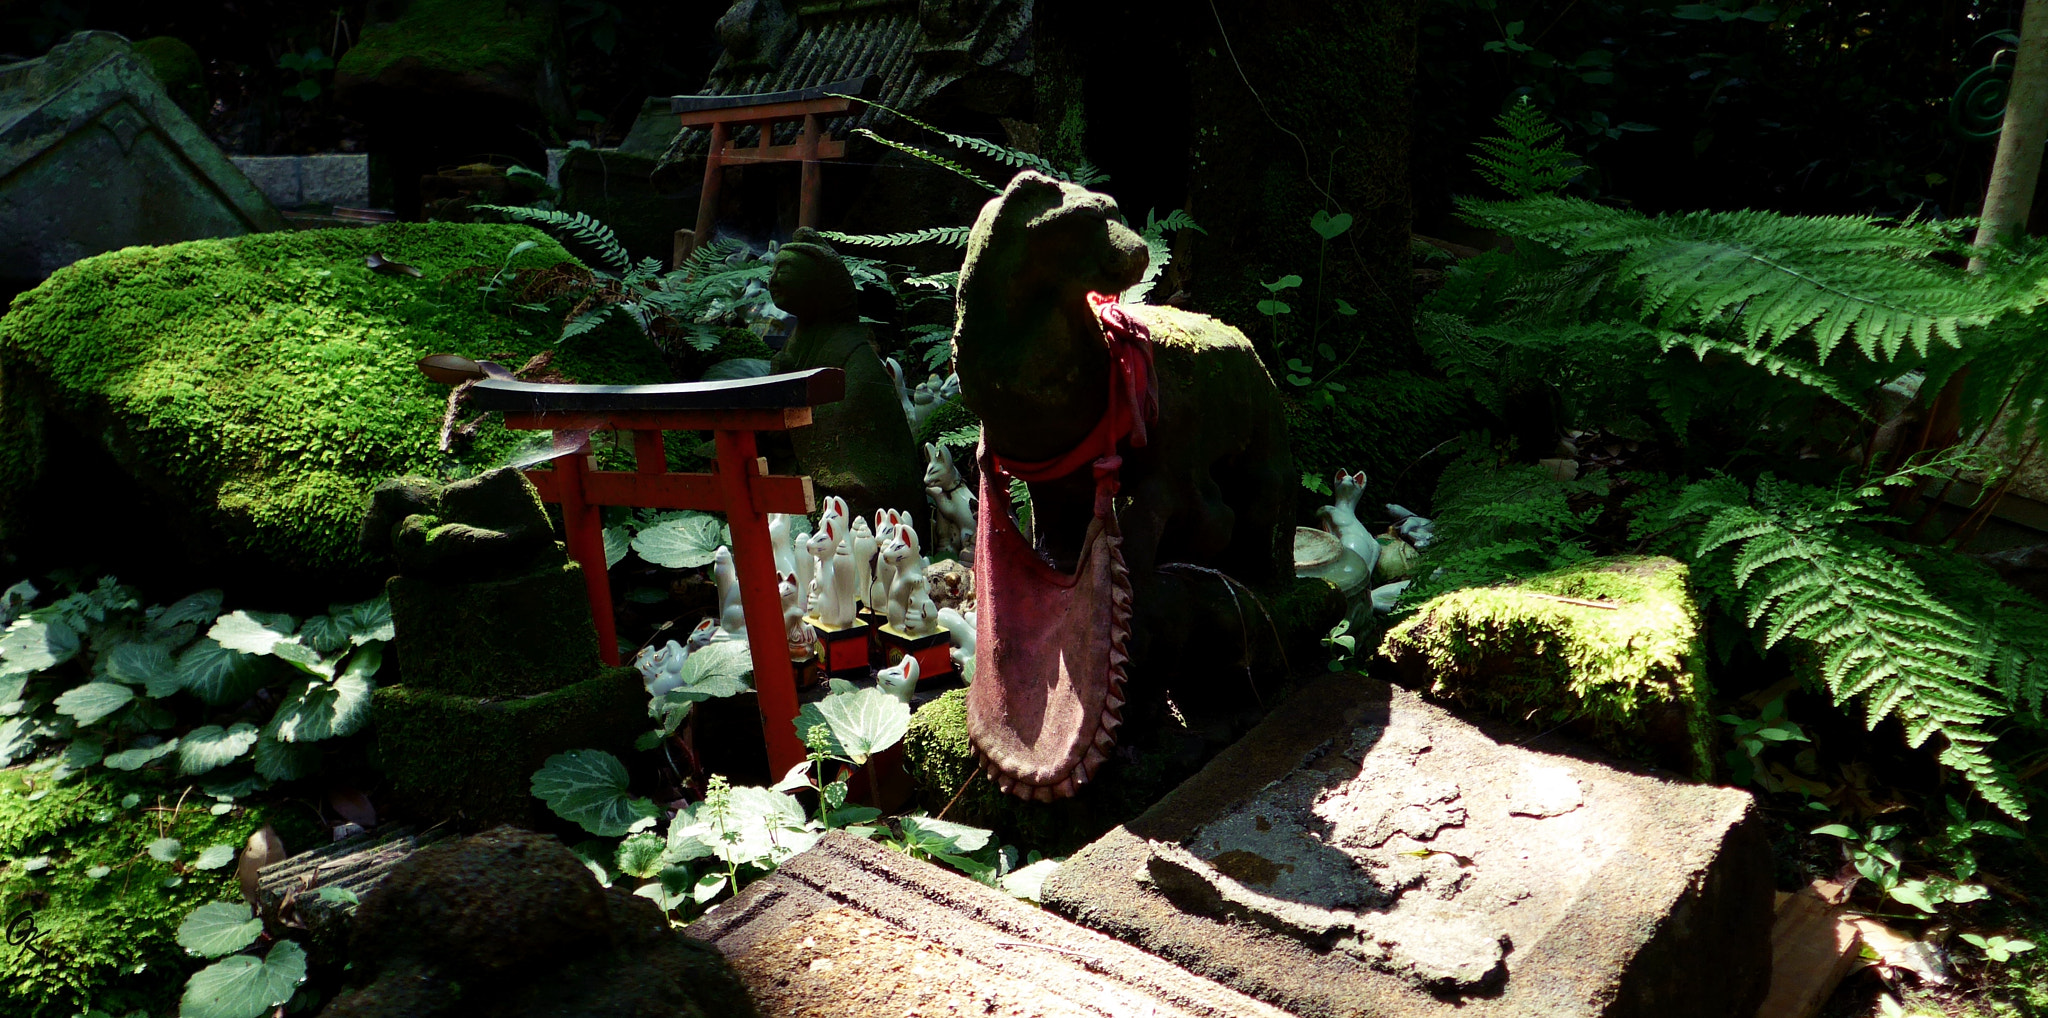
[1365,853]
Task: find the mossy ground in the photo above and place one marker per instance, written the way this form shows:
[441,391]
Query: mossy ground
[108,943]
[1630,678]
[266,383]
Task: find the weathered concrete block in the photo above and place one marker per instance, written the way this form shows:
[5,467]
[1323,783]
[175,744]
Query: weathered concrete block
[1610,649]
[290,889]
[850,929]
[328,178]
[1363,852]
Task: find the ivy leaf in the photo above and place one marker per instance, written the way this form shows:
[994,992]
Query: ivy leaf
[217,674]
[164,849]
[640,855]
[1283,283]
[203,749]
[93,701]
[238,630]
[324,710]
[1344,307]
[684,541]
[32,645]
[245,986]
[588,787]
[1327,226]
[219,928]
[1274,307]
[149,665]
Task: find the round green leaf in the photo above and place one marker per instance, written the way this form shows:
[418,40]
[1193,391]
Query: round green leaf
[201,607]
[219,928]
[244,986]
[1327,226]
[140,757]
[217,674]
[323,710]
[97,872]
[323,633]
[863,722]
[640,855]
[238,630]
[681,542]
[285,761]
[149,665]
[130,801]
[215,856]
[368,622]
[203,749]
[32,645]
[164,849]
[588,787]
[94,700]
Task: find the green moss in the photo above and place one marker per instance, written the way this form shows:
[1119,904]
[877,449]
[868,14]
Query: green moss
[177,66]
[1629,678]
[107,943]
[510,637]
[266,383]
[456,36]
[448,754]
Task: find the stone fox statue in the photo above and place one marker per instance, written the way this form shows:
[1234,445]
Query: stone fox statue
[1151,440]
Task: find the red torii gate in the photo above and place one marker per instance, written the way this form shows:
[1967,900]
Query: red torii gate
[740,487]
[720,114]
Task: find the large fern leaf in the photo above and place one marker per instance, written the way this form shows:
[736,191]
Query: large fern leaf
[598,236]
[955,236]
[1772,277]
[931,157]
[1810,571]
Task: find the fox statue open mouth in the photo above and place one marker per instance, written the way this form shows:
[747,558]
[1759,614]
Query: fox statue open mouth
[1147,436]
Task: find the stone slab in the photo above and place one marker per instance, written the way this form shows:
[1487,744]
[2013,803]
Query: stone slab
[850,929]
[1364,853]
[95,156]
[327,178]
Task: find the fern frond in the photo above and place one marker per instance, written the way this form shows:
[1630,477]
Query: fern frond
[1771,277]
[579,224]
[955,236]
[1530,159]
[980,146]
[931,157]
[1811,570]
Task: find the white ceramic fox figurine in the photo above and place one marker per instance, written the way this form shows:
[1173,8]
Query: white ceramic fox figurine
[795,630]
[960,633]
[886,523]
[823,545]
[732,616]
[907,585]
[661,668]
[865,548]
[1341,519]
[900,680]
[952,504]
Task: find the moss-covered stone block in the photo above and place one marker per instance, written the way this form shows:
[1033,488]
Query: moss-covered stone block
[1609,649]
[255,389]
[448,754]
[541,637]
[107,941]
[442,53]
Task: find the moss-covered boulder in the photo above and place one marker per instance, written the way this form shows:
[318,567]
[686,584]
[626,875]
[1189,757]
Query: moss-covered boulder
[436,56]
[510,923]
[245,395]
[1608,649]
[105,912]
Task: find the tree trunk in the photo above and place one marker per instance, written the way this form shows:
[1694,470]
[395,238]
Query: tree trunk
[2018,166]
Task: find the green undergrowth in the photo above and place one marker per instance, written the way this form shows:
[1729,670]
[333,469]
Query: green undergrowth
[267,382]
[1613,645]
[77,862]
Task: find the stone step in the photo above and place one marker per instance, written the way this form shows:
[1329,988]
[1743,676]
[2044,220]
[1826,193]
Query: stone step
[851,929]
[290,888]
[1363,852]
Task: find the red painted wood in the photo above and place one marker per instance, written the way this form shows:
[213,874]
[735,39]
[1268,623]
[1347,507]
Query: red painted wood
[663,420]
[649,455]
[753,557]
[583,526]
[766,111]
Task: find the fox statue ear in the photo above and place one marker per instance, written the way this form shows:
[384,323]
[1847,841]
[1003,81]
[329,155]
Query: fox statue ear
[1359,478]
[1341,478]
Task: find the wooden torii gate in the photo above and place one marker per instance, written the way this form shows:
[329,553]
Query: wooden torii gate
[722,113]
[740,487]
